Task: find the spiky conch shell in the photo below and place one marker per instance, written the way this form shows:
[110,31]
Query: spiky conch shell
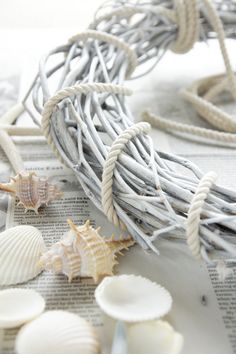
[83,252]
[31,190]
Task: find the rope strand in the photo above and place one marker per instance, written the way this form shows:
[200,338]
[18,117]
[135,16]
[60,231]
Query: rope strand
[108,171]
[194,213]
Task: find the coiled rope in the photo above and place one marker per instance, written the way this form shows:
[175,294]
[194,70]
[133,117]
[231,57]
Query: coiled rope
[208,87]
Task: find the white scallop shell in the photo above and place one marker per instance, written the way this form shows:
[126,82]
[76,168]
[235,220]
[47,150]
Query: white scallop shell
[57,332]
[153,337]
[132,298]
[20,250]
[18,306]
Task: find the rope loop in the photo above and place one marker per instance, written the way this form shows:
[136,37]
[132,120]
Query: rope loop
[199,95]
[194,213]
[72,91]
[114,40]
[109,167]
[187,19]
[172,126]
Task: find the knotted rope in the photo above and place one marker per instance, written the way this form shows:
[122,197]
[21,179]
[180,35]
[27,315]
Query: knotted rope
[187,19]
[208,87]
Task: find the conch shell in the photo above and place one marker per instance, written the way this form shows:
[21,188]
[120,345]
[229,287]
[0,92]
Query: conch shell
[31,190]
[83,252]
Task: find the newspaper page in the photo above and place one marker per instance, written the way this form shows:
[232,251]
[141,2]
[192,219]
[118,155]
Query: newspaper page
[203,308]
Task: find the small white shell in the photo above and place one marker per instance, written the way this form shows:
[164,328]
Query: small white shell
[57,332]
[132,298]
[153,337]
[18,306]
[20,250]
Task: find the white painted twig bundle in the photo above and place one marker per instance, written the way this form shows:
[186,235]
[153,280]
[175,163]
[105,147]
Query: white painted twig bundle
[86,120]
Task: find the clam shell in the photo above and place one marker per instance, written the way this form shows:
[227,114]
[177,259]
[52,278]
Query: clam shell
[153,337]
[132,298]
[18,306]
[57,332]
[20,251]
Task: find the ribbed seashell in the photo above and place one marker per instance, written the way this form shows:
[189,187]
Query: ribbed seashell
[57,332]
[18,306]
[31,190]
[153,337]
[20,250]
[132,298]
[83,252]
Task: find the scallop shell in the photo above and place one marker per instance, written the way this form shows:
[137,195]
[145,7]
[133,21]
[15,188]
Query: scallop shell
[20,251]
[18,306]
[57,332]
[132,298]
[153,337]
[83,252]
[31,190]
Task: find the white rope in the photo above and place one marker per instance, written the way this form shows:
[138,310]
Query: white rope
[6,142]
[114,40]
[194,213]
[211,86]
[11,151]
[206,109]
[187,18]
[10,116]
[21,131]
[108,171]
[70,92]
[173,126]
[219,29]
